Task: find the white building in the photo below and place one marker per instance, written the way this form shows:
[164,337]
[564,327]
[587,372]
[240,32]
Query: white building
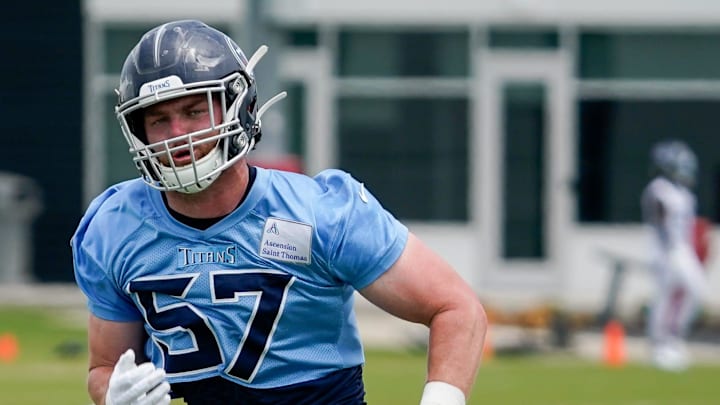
[512,136]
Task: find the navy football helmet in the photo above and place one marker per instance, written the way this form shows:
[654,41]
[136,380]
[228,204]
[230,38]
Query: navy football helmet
[184,58]
[676,161]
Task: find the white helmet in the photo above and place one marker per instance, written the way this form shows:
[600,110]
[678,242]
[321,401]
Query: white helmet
[676,161]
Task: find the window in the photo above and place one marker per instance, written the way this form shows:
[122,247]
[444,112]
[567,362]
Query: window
[411,151]
[528,38]
[118,161]
[379,53]
[523,219]
[302,37]
[649,55]
[295,117]
[614,145]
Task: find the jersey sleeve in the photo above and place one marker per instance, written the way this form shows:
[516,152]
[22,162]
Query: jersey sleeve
[92,260]
[365,239]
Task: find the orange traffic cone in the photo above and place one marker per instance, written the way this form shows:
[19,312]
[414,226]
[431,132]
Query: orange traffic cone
[614,350]
[9,348]
[488,351]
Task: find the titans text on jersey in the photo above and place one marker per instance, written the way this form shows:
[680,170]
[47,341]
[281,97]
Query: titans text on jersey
[224,254]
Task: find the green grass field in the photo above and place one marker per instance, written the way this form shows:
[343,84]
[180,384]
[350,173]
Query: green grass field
[52,362]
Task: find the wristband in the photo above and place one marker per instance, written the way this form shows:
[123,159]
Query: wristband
[441,393]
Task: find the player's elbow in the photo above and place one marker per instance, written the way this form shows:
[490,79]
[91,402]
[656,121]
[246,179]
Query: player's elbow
[468,313]
[478,317]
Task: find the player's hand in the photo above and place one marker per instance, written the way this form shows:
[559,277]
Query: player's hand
[131,384]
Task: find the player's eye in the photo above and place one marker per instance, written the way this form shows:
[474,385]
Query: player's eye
[196,112]
[156,121]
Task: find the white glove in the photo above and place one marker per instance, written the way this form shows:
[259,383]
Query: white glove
[441,393]
[131,384]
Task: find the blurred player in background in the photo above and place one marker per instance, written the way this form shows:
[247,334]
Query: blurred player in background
[669,208]
[223,283]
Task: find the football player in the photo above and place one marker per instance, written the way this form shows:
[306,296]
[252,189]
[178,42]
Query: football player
[669,208]
[219,282]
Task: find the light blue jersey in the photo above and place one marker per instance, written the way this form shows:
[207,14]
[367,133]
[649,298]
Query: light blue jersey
[263,297]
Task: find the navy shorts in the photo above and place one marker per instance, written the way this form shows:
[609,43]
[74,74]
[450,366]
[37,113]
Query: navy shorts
[342,387]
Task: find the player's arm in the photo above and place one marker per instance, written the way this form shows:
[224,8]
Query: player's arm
[653,210]
[659,213]
[421,287]
[654,213]
[112,365]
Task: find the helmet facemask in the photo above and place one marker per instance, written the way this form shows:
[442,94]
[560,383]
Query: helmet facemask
[232,141]
[182,59]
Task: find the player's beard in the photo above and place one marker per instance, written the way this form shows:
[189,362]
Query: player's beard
[183,157]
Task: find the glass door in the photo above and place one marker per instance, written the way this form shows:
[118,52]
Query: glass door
[308,74]
[524,151]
